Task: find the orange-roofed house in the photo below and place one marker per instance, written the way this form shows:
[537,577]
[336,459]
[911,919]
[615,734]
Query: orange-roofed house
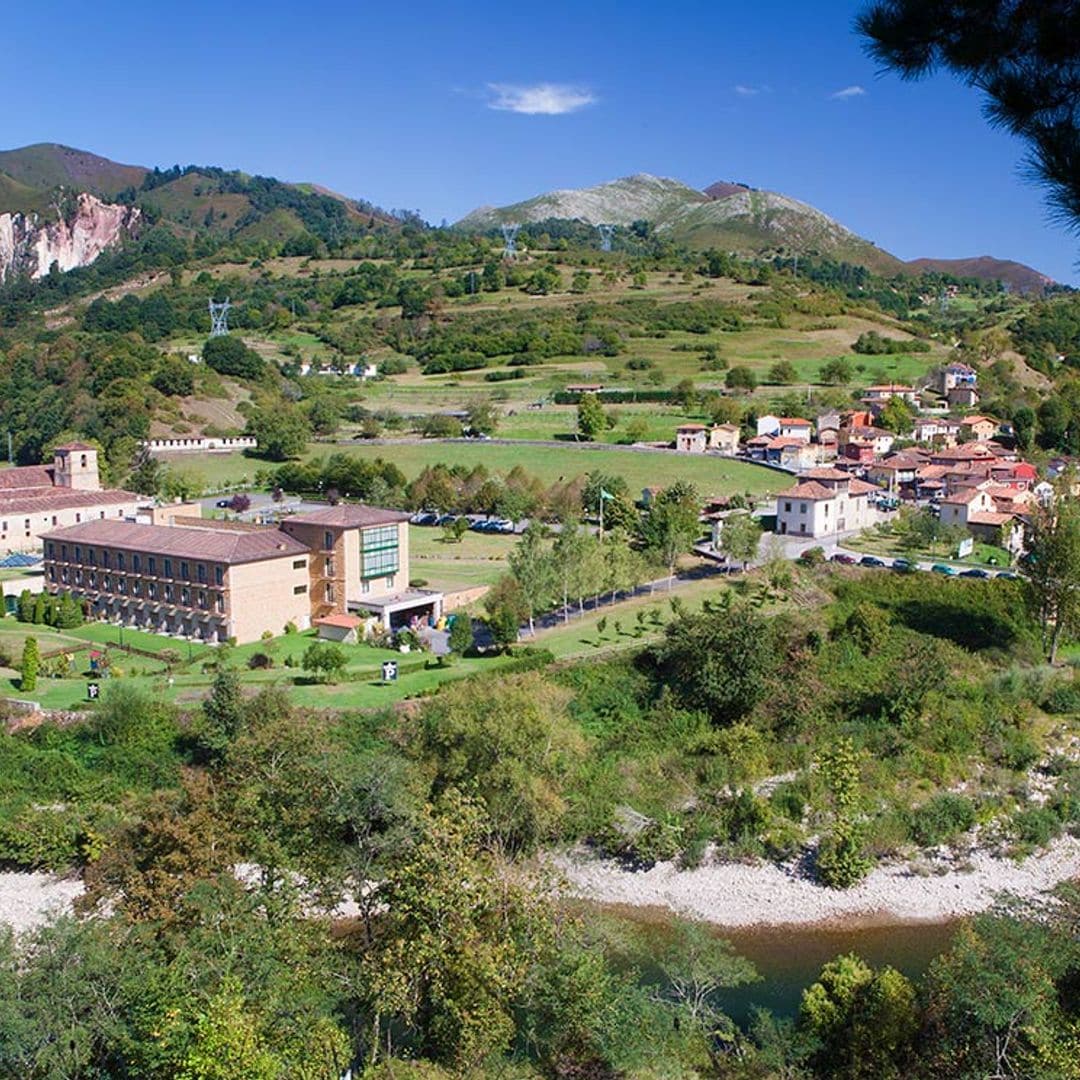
[825,502]
[979,428]
[794,427]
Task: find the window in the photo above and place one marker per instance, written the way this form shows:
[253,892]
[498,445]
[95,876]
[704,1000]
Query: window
[78,577]
[104,558]
[63,575]
[219,602]
[802,508]
[329,568]
[219,576]
[379,551]
[185,571]
[365,585]
[200,573]
[54,520]
[787,508]
[93,579]
[106,582]
[52,574]
[299,590]
[121,585]
[119,560]
[82,460]
[185,596]
[299,564]
[390,582]
[169,593]
[168,567]
[202,599]
[151,590]
[151,564]
[136,588]
[78,518]
[328,540]
[329,592]
[49,548]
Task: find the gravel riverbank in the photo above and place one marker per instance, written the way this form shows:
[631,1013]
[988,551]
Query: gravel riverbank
[747,895]
[27,900]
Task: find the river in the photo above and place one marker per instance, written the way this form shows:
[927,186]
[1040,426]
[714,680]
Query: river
[788,958]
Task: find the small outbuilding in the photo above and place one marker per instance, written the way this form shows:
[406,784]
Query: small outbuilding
[344,629]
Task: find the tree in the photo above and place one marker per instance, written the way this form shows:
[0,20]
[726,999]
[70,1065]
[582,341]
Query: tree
[228,355]
[506,610]
[897,416]
[31,661]
[1018,54]
[281,433]
[240,503]
[222,712]
[460,639]
[783,372]
[841,862]
[1052,582]
[1023,422]
[862,1021]
[483,417]
[324,416]
[741,378]
[227,1042]
[672,524]
[590,416]
[837,372]
[458,939]
[24,611]
[531,565]
[719,660]
[325,660]
[580,281]
[740,538]
[174,377]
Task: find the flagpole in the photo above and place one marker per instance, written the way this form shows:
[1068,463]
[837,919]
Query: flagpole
[601,515]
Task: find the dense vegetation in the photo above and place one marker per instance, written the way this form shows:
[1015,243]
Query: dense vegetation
[453,960]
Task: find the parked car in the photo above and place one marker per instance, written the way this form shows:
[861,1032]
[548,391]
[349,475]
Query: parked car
[1009,575]
[842,557]
[223,504]
[943,568]
[479,525]
[976,572]
[428,519]
[447,519]
[502,526]
[871,560]
[904,566]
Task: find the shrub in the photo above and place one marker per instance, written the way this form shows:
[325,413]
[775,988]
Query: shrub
[1064,698]
[1037,825]
[939,820]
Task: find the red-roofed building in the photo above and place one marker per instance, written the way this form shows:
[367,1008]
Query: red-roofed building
[794,427]
[37,498]
[823,503]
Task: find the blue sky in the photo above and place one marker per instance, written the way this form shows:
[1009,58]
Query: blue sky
[441,107]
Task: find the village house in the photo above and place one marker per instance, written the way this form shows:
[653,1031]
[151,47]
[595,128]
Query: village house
[37,498]
[823,503]
[955,376]
[962,397]
[937,430]
[976,510]
[853,442]
[979,428]
[878,395]
[768,425]
[794,427]
[791,452]
[697,438]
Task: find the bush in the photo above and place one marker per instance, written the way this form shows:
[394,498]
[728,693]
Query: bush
[1037,825]
[939,820]
[1064,698]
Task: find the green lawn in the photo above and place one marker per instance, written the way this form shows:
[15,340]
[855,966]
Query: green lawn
[711,475]
[874,543]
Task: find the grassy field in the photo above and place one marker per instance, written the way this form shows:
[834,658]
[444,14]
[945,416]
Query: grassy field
[711,475]
[874,543]
[479,559]
[362,687]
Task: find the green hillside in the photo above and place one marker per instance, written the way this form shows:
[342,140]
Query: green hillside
[45,166]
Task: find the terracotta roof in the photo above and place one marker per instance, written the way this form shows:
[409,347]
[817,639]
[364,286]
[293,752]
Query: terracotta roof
[37,501]
[214,545]
[26,476]
[972,420]
[895,387]
[780,441]
[349,516]
[989,519]
[726,427]
[810,490]
[861,487]
[794,421]
[345,622]
[759,440]
[963,498]
[826,472]
[690,427]
[968,452]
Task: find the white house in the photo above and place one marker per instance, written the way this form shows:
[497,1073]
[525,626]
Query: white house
[825,502]
[768,425]
[794,427]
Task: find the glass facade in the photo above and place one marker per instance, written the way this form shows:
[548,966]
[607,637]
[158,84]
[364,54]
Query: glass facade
[379,555]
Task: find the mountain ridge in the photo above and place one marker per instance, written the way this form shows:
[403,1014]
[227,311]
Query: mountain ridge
[736,217]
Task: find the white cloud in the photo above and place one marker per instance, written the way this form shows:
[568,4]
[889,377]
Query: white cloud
[543,99]
[848,92]
[746,91]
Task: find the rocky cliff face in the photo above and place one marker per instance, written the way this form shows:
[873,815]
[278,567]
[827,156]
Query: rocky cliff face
[30,244]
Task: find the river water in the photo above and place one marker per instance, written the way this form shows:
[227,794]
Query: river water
[788,958]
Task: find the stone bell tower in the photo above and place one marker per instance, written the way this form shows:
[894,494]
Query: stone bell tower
[75,466]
